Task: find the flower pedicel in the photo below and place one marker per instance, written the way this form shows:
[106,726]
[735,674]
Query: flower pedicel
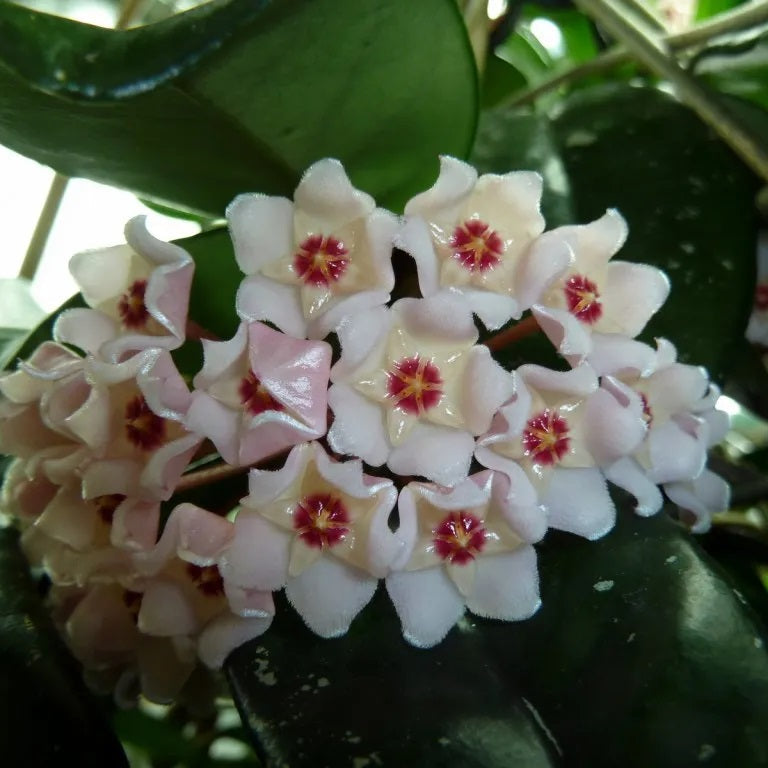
[412,457]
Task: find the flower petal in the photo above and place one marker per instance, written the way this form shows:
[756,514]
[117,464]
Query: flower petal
[486,386]
[577,501]
[167,611]
[705,495]
[454,182]
[86,329]
[629,475]
[261,298]
[632,293]
[262,230]
[506,586]
[675,454]
[566,333]
[225,633]
[440,454]
[328,595]
[614,353]
[427,604]
[546,259]
[358,427]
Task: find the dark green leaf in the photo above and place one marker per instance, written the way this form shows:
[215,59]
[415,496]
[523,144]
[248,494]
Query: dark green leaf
[641,655]
[48,718]
[689,203]
[242,95]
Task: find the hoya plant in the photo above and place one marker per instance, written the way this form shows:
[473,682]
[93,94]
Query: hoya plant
[418,453]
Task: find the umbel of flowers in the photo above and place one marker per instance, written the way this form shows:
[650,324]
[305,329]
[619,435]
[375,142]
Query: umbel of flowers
[412,457]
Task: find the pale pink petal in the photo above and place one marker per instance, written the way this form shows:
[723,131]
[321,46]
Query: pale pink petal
[455,181]
[512,417]
[593,244]
[326,193]
[107,476]
[703,497]
[581,380]
[493,309]
[163,387]
[543,262]
[629,475]
[262,230]
[222,358]
[294,371]
[166,610]
[511,201]
[414,239]
[718,424]
[220,424]
[102,274]
[506,586]
[614,353]
[265,486]
[613,421]
[381,227]
[224,634]
[79,410]
[577,501]
[193,534]
[440,454]
[258,556]
[271,433]
[329,594]
[631,295]
[566,333]
[23,434]
[358,427]
[100,630]
[168,286]
[87,329]
[486,386]
[69,519]
[515,496]
[358,336]
[163,668]
[163,471]
[675,454]
[261,298]
[445,317]
[678,388]
[427,604]
[249,603]
[135,524]
[340,310]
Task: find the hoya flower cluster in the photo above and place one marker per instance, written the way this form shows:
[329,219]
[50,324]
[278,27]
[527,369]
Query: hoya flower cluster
[410,456]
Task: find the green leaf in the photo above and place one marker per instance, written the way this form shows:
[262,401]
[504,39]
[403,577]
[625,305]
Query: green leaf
[47,714]
[526,54]
[641,655]
[240,95]
[689,203]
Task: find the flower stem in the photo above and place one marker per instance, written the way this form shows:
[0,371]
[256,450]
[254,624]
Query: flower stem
[201,477]
[520,330]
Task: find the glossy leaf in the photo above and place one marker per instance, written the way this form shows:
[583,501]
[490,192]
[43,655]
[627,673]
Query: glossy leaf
[241,95]
[642,654]
[45,709]
[689,203]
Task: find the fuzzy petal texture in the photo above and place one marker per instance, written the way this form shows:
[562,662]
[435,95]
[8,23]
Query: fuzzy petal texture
[629,475]
[224,634]
[329,594]
[427,604]
[506,586]
[702,497]
[577,501]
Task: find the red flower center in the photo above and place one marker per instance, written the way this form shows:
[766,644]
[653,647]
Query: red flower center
[545,437]
[647,412]
[761,296]
[206,578]
[321,260]
[415,385]
[321,520]
[476,246]
[459,537]
[106,506]
[145,429]
[255,398]
[131,308]
[583,299]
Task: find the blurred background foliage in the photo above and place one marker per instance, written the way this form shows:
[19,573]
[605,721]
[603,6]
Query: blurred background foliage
[657,109]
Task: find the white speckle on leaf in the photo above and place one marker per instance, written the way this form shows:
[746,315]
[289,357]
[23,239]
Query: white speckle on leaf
[305,688]
[443,741]
[322,682]
[631,638]
[671,559]
[739,596]
[705,752]
[603,586]
[757,642]
[262,671]
[688,247]
[537,717]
